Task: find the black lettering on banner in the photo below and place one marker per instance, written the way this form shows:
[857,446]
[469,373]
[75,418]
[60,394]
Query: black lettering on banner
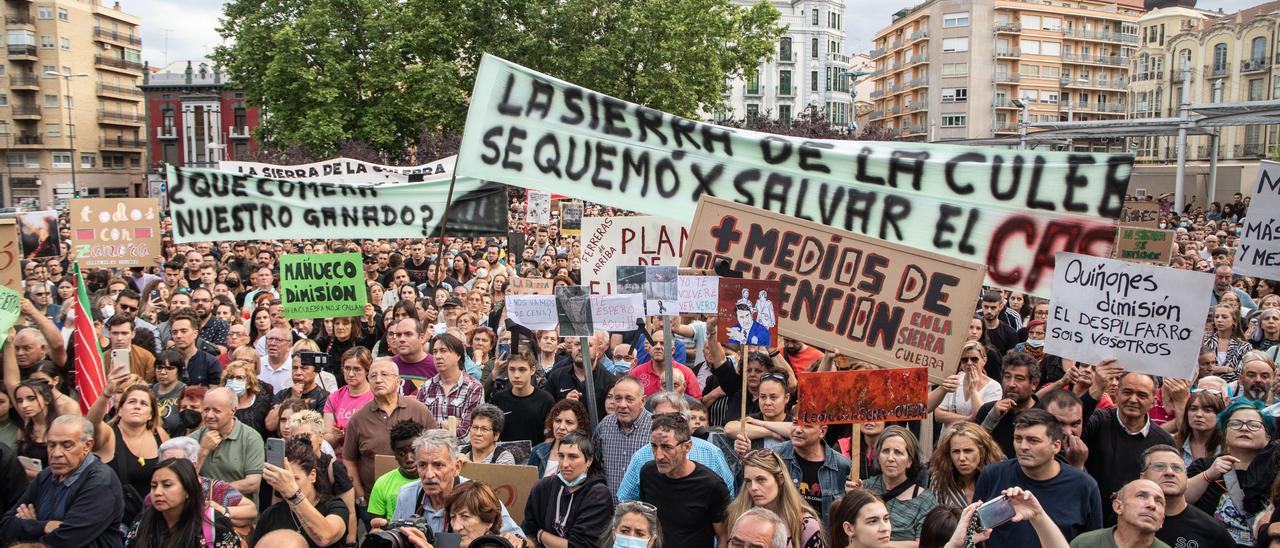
[604,153]
[1115,187]
[772,156]
[949,171]
[1033,199]
[615,118]
[705,180]
[1015,172]
[714,134]
[569,171]
[505,107]
[740,184]
[540,97]
[547,164]
[489,144]
[682,130]
[668,166]
[638,164]
[513,148]
[650,120]
[907,162]
[573,103]
[810,154]
[1075,180]
[860,174]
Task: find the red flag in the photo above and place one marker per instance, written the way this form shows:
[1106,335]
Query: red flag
[90,377]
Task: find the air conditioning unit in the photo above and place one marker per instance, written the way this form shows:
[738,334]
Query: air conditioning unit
[106,47]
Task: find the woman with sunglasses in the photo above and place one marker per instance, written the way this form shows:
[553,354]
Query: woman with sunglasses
[960,396]
[1246,466]
[767,484]
[898,455]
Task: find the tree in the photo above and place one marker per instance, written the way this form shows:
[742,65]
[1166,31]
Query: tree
[385,73]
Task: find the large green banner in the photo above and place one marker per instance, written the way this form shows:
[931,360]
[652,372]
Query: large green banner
[218,205]
[322,285]
[1009,209]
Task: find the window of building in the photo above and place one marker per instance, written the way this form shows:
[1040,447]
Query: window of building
[4,128]
[1031,47]
[166,116]
[88,160]
[1029,70]
[1050,72]
[753,110]
[65,43]
[815,17]
[132,55]
[753,83]
[21,37]
[813,80]
[784,48]
[827,81]
[1258,49]
[4,99]
[46,69]
[955,44]
[22,159]
[784,114]
[1051,48]
[239,117]
[955,95]
[64,15]
[66,71]
[113,160]
[50,100]
[1030,95]
[1030,21]
[1050,97]
[784,83]
[955,120]
[61,159]
[53,130]
[813,49]
[1052,23]
[1219,57]
[955,69]
[44,12]
[1256,89]
[955,20]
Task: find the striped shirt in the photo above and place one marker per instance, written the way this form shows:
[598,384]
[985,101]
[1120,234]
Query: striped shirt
[618,446]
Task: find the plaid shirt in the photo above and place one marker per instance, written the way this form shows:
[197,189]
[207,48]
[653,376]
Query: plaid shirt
[459,402]
[618,446]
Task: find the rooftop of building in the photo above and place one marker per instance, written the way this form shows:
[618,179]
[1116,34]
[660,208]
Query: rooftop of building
[196,72]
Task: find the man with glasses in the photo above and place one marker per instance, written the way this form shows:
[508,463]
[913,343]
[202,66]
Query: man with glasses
[1184,524]
[368,429]
[276,368]
[128,304]
[168,389]
[625,431]
[620,360]
[237,336]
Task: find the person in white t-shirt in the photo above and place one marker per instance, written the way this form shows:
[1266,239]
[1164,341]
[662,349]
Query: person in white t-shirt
[960,396]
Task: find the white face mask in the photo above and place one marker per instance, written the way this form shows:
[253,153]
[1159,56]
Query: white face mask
[237,386]
[482,273]
[108,311]
[624,541]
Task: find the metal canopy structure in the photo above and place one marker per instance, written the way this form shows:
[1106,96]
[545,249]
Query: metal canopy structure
[1248,113]
[1113,129]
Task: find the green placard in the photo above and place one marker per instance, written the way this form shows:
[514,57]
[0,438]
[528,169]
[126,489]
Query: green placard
[10,307]
[329,285]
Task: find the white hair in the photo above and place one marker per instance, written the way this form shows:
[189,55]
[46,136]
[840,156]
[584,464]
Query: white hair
[438,439]
[780,530]
[189,447]
[85,426]
[675,399]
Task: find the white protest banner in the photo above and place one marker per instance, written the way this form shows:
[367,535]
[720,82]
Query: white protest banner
[1008,209]
[1150,318]
[347,171]
[218,205]
[616,312]
[538,207]
[535,312]
[608,242]
[699,294]
[1259,253]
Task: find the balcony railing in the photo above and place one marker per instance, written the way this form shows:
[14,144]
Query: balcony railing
[876,114]
[915,105]
[879,52]
[1251,150]
[913,129]
[876,73]
[915,83]
[1004,103]
[1005,128]
[1095,83]
[917,58]
[1007,53]
[1144,76]
[117,62]
[166,132]
[99,32]
[28,140]
[239,132]
[1251,65]
[119,90]
[1114,60]
[108,116]
[838,58]
[877,93]
[15,49]
[895,110]
[1092,106]
[1211,71]
[123,142]
[26,110]
[918,35]
[1176,76]
[786,91]
[1105,36]
[19,18]
[20,80]
[896,44]
[787,57]
[1008,27]
[1006,77]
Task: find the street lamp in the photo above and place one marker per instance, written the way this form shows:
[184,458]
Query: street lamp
[1022,124]
[71,127]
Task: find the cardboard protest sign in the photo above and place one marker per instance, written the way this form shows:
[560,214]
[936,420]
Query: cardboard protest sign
[1150,318]
[877,301]
[571,219]
[538,207]
[347,171]
[631,279]
[1141,213]
[661,291]
[512,483]
[536,312]
[869,395]
[39,233]
[1144,245]
[609,242]
[616,312]
[748,311]
[10,308]
[218,205]
[322,285]
[699,294]
[383,464]
[1009,209]
[1259,247]
[573,305]
[10,256]
[529,286]
[115,232]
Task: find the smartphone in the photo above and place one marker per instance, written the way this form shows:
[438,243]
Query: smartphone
[995,513]
[30,463]
[275,452]
[119,360]
[504,350]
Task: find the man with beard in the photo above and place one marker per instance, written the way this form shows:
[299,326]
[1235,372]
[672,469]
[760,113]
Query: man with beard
[382,498]
[1140,507]
[999,333]
[201,367]
[570,382]
[1019,379]
[692,501]
[1184,524]
[1118,436]
[128,303]
[1256,375]
[212,328]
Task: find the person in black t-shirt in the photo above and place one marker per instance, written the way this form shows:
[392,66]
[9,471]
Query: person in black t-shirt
[524,406]
[691,499]
[1184,524]
[307,506]
[999,333]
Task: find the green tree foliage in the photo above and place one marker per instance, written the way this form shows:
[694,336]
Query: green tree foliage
[382,72]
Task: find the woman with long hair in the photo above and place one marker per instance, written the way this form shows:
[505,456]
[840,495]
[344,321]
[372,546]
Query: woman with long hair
[898,455]
[978,332]
[635,525]
[480,351]
[474,511]
[9,422]
[354,394]
[772,425]
[178,516]
[130,442]
[66,291]
[307,507]
[1198,433]
[253,399]
[963,452]
[767,484]
[1227,341]
[859,520]
[307,425]
[259,325]
[32,398]
[155,299]
[1246,434]
[461,270]
[566,416]
[572,508]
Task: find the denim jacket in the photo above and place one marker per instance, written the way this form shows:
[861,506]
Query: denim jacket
[538,457]
[831,477]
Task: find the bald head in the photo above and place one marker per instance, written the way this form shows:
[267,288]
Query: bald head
[1139,506]
[219,410]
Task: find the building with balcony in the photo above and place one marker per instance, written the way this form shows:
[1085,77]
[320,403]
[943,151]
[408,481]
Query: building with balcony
[70,117]
[806,72]
[195,118]
[1232,58]
[960,69]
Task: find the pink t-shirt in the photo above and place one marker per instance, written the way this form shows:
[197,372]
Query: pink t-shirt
[653,383]
[342,404]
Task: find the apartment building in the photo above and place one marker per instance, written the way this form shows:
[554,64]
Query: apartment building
[71,116]
[970,69]
[807,70]
[1233,58]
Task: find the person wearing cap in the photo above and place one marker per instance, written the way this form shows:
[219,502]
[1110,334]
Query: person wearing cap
[450,311]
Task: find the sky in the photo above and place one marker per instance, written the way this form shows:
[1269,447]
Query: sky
[174,30]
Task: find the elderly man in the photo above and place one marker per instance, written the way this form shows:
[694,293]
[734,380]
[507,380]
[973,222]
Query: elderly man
[702,451]
[692,501]
[759,528]
[1139,507]
[368,429]
[229,450]
[224,497]
[1222,278]
[1184,524]
[1255,380]
[276,367]
[439,465]
[76,501]
[624,432]
[31,346]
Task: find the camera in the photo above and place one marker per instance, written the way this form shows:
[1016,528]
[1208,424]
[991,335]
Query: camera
[391,537]
[318,360]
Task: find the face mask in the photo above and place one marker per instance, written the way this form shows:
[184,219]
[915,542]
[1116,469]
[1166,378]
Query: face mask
[1163,225]
[581,478]
[1184,224]
[624,541]
[190,417]
[482,273]
[108,311]
[237,386]
[1035,343]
